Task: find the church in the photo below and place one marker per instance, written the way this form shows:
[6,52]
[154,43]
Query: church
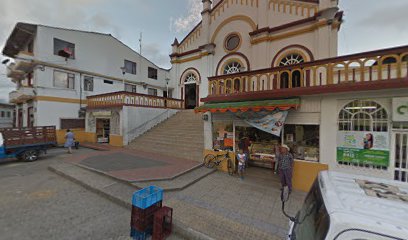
[269,70]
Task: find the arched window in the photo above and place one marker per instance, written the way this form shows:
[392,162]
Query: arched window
[190,78]
[291,59]
[363,115]
[232,67]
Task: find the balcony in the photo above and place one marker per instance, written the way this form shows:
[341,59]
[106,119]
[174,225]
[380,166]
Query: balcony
[120,99]
[374,70]
[21,95]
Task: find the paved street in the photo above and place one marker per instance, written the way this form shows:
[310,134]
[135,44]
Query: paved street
[38,204]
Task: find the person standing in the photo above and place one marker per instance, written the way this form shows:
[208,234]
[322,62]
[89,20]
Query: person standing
[244,144]
[285,166]
[241,163]
[69,140]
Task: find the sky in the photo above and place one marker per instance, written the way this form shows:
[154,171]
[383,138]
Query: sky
[368,24]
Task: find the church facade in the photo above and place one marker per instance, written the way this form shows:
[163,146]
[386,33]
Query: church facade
[279,58]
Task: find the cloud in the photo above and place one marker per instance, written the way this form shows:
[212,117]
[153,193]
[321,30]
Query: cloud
[389,17]
[153,52]
[186,23]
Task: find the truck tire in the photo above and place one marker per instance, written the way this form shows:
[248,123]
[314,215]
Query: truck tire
[30,155]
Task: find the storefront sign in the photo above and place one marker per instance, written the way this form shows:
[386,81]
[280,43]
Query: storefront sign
[271,122]
[102,114]
[370,148]
[400,109]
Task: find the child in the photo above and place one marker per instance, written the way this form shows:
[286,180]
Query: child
[241,163]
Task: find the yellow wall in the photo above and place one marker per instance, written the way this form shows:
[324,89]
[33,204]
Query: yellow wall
[223,166]
[305,173]
[116,140]
[80,135]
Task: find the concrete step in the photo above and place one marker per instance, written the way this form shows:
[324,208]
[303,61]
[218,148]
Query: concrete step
[119,193]
[161,142]
[216,226]
[161,138]
[184,151]
[179,182]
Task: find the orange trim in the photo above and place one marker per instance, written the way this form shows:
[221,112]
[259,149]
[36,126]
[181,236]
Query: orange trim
[245,109]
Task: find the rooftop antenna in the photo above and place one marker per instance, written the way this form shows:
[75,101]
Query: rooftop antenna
[140,43]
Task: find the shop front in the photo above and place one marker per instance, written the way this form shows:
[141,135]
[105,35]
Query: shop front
[260,127]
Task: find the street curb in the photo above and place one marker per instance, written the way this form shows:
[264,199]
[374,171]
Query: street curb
[178,227]
[91,188]
[135,184]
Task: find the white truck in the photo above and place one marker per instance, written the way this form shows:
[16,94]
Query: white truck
[342,206]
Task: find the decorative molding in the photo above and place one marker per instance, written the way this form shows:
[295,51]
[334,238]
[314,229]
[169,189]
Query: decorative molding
[304,30]
[294,46]
[228,56]
[203,54]
[299,8]
[243,18]
[59,99]
[191,69]
[225,42]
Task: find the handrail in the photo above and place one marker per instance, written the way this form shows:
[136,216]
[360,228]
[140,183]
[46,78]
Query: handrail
[388,51]
[122,98]
[149,124]
[165,113]
[382,65]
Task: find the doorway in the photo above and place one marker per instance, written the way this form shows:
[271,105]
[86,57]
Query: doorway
[400,155]
[190,96]
[102,130]
[20,118]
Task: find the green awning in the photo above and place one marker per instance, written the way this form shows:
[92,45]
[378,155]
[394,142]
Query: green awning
[268,105]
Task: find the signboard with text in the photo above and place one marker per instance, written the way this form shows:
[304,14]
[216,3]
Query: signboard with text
[400,109]
[368,148]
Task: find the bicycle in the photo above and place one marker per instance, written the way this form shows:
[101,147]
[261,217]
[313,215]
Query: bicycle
[211,160]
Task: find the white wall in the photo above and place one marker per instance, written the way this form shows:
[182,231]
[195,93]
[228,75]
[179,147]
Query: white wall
[49,113]
[134,117]
[97,53]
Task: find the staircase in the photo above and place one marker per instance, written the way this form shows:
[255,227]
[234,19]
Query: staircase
[182,135]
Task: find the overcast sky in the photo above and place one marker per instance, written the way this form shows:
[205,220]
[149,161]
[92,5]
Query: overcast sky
[369,24]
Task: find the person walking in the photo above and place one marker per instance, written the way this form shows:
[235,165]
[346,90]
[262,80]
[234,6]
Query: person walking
[69,140]
[285,166]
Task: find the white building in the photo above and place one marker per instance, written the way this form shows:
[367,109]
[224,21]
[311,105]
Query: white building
[6,115]
[55,69]
[253,55]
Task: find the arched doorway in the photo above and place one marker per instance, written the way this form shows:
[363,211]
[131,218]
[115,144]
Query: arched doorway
[190,93]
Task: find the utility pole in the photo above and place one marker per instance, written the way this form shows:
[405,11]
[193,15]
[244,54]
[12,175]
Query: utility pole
[140,43]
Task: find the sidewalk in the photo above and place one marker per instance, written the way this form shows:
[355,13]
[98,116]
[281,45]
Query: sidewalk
[133,166]
[216,207]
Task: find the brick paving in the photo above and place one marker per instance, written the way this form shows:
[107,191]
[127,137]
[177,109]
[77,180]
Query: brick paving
[132,166]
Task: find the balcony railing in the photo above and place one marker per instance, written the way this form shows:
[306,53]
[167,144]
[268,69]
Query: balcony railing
[116,99]
[363,68]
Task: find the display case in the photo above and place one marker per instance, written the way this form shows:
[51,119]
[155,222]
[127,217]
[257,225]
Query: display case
[262,154]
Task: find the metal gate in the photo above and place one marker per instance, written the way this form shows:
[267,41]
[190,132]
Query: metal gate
[399,155]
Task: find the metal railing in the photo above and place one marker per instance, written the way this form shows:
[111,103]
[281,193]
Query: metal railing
[149,124]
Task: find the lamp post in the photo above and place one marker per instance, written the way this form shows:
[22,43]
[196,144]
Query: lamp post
[167,89]
[123,79]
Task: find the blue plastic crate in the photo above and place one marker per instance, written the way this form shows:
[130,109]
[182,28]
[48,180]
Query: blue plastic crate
[137,235]
[146,197]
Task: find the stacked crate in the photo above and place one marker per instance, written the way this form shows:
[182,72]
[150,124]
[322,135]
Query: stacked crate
[163,222]
[145,203]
